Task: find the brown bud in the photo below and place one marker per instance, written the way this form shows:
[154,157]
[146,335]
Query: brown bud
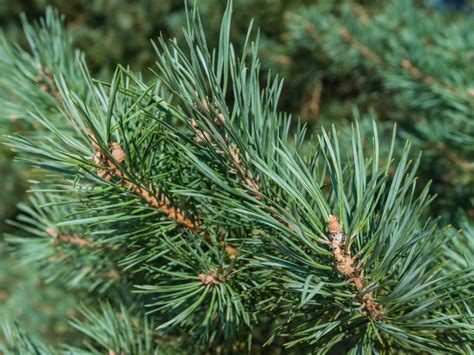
[231,252]
[52,232]
[117,152]
[207,279]
[334,226]
[104,174]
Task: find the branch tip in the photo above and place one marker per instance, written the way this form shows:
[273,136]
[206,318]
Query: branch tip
[345,266]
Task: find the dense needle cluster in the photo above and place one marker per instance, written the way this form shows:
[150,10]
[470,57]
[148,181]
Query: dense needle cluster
[208,226]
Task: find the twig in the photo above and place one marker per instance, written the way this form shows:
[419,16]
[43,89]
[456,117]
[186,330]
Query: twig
[312,104]
[366,52]
[75,240]
[453,156]
[416,73]
[345,265]
[406,64]
[361,12]
[46,82]
[237,166]
[161,203]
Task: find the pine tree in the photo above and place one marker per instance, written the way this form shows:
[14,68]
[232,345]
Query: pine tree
[191,215]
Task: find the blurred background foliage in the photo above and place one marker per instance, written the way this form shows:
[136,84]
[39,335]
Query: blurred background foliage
[335,56]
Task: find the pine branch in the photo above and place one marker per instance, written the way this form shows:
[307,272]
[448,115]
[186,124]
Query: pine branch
[236,163]
[267,263]
[162,203]
[74,240]
[366,52]
[347,267]
[422,72]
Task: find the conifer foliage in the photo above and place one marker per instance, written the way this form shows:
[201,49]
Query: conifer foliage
[191,215]
[414,65]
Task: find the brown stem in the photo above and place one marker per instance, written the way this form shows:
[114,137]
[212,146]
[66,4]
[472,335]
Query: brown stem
[312,104]
[361,12]
[46,82]
[160,203]
[111,274]
[428,80]
[366,52]
[406,64]
[75,240]
[237,166]
[308,27]
[4,295]
[416,73]
[345,266]
[453,156]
